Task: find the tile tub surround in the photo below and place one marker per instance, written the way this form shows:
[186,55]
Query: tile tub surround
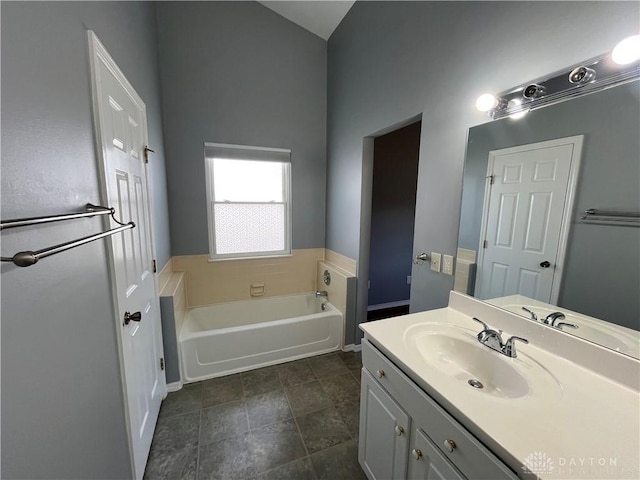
[230,280]
[347,264]
[297,420]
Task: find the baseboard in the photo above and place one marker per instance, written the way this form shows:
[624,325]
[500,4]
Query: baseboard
[382,306]
[352,348]
[174,387]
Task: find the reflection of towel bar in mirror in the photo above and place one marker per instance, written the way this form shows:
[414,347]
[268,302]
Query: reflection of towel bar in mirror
[611,217]
[30,257]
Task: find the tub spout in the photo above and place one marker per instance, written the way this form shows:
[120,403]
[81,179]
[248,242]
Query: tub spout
[322,293]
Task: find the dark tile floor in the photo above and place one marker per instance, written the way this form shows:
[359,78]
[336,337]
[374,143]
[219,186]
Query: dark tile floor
[294,421]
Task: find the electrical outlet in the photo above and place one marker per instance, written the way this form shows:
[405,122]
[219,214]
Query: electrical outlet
[408,279]
[435,261]
[447,264]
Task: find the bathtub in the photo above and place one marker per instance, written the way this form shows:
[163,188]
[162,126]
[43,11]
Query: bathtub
[238,336]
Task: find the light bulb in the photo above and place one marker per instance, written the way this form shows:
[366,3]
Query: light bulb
[486,102]
[627,51]
[514,103]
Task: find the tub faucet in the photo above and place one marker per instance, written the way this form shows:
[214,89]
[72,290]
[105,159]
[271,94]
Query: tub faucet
[322,293]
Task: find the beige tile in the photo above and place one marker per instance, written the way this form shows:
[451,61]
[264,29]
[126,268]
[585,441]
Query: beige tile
[345,263]
[164,275]
[215,282]
[337,290]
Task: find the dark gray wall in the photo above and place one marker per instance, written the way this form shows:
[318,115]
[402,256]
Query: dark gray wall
[236,72]
[62,401]
[393,205]
[390,61]
[602,271]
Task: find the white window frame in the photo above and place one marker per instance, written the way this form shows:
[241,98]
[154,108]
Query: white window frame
[244,152]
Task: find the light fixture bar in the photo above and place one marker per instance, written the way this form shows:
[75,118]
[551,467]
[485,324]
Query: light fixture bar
[593,75]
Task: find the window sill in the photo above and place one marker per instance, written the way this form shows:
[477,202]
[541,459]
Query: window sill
[257,257]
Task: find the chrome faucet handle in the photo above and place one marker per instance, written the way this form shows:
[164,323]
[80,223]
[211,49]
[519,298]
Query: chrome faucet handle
[563,324]
[486,327]
[509,348]
[553,317]
[534,317]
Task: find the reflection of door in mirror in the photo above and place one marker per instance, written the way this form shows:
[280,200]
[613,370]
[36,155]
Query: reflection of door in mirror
[526,215]
[600,275]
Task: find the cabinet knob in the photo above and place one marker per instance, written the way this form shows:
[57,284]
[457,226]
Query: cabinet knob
[450,445]
[417,454]
[380,373]
[399,430]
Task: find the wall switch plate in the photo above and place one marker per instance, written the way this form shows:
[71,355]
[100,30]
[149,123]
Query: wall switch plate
[408,279]
[435,261]
[447,264]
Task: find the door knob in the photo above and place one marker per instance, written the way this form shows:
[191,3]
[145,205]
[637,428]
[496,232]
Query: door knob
[545,264]
[422,257]
[132,317]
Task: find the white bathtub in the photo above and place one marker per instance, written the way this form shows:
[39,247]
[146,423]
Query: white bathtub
[239,336]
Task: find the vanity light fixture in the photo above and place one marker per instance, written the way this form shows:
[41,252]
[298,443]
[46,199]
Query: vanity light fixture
[627,51]
[620,66]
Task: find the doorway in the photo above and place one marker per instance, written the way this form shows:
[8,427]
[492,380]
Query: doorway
[393,204]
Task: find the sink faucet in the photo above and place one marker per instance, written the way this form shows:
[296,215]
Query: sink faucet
[534,317]
[493,339]
[322,293]
[553,318]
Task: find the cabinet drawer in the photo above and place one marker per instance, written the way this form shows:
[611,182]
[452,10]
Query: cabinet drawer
[468,454]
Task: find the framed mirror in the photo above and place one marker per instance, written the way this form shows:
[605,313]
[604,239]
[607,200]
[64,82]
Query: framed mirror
[523,241]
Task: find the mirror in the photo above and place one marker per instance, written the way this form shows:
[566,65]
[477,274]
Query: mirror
[596,263]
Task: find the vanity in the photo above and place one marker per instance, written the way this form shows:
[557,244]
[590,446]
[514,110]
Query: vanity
[438,404]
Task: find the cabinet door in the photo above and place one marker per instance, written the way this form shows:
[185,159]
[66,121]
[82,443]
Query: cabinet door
[384,433]
[427,463]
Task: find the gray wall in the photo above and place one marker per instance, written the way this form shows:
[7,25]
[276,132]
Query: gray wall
[601,275]
[389,61]
[236,72]
[393,206]
[62,400]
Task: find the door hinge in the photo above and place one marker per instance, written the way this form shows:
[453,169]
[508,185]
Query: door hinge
[492,179]
[485,244]
[146,153]
[154,266]
[162,364]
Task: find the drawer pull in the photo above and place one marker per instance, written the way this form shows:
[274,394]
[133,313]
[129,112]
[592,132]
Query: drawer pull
[380,373]
[399,430]
[450,445]
[417,454]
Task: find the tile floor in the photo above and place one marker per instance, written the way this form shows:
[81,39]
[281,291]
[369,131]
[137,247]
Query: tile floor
[297,421]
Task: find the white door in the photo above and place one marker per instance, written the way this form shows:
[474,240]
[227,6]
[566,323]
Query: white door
[528,203]
[120,118]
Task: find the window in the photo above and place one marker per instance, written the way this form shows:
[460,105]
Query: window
[248,191]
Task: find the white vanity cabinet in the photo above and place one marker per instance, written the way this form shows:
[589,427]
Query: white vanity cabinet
[404,434]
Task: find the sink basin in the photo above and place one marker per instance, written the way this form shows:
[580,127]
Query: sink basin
[455,353]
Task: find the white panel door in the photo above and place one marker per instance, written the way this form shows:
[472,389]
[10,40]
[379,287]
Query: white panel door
[121,129]
[525,220]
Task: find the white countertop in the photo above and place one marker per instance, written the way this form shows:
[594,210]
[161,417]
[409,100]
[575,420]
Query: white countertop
[588,428]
